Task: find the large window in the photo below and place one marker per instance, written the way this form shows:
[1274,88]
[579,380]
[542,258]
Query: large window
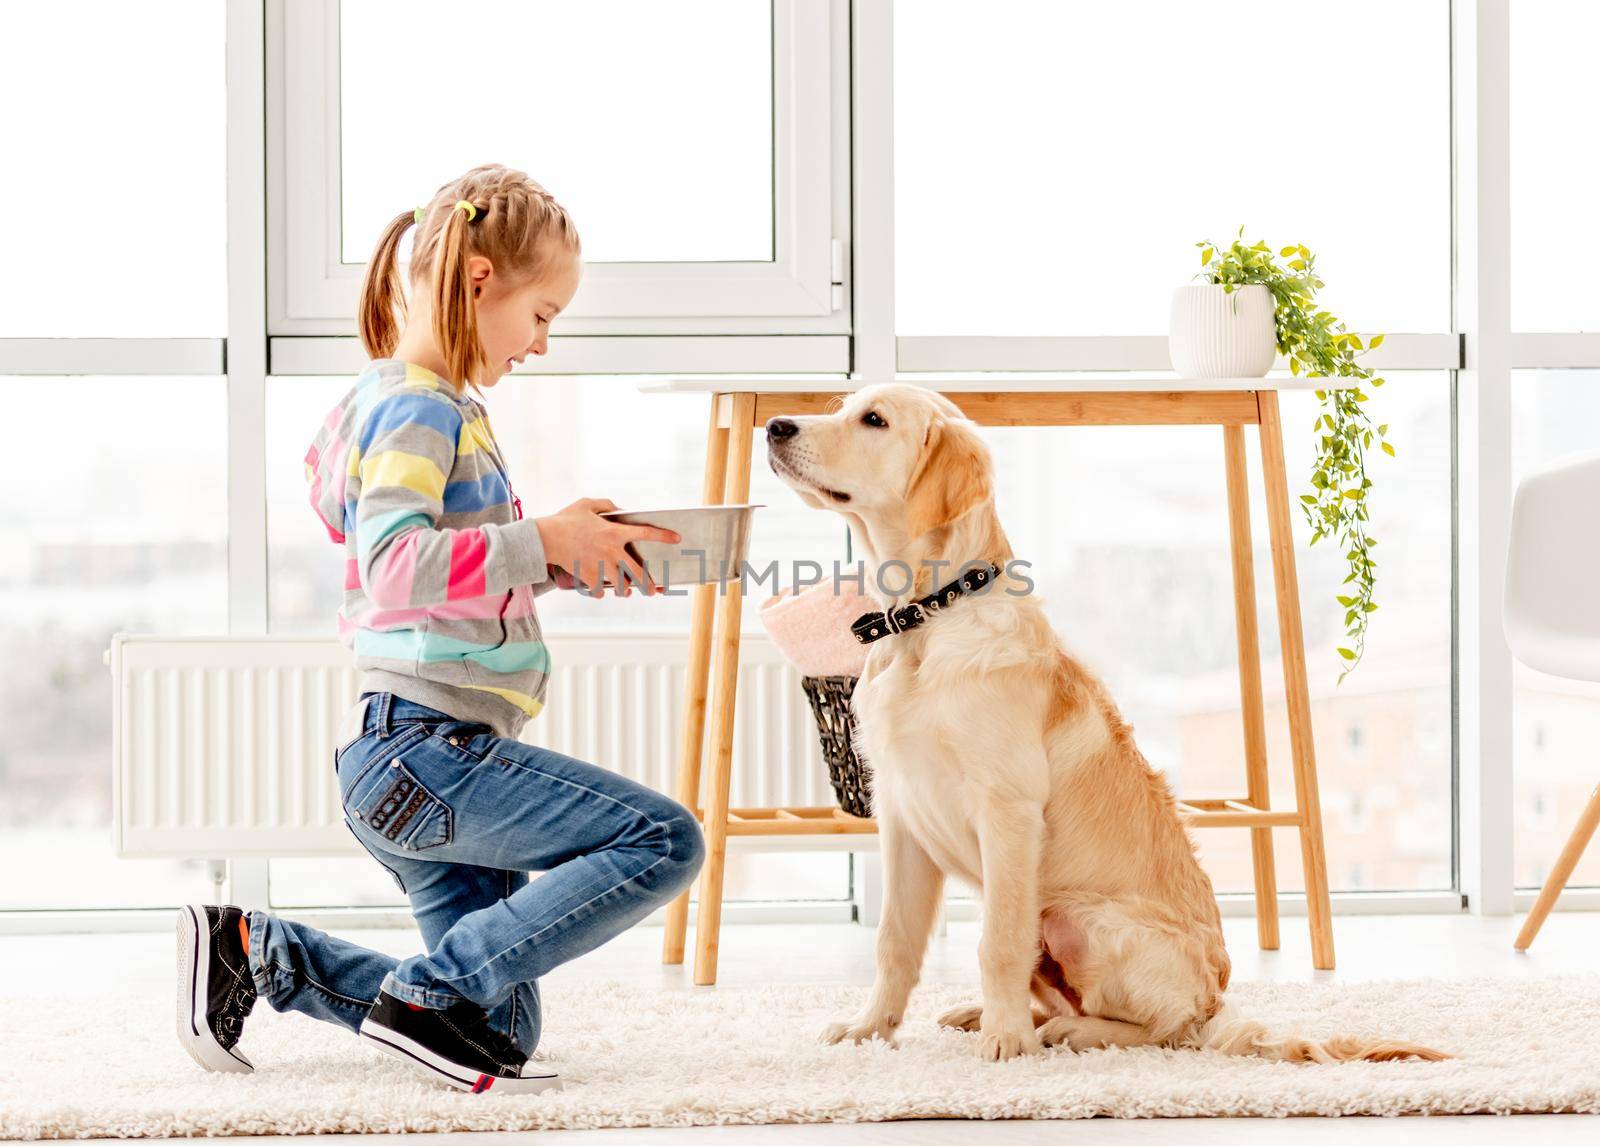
[1096,145]
[1555,409]
[130,532]
[116,513]
[1056,163]
[1555,96]
[693,144]
[1053,165]
[1383,737]
[681,97]
[113,188]
[1556,720]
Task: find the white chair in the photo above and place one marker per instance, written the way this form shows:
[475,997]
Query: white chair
[1552,611]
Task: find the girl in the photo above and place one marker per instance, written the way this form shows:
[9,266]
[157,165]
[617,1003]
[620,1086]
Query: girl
[441,572]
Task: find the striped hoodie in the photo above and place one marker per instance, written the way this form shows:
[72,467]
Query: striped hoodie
[441,568]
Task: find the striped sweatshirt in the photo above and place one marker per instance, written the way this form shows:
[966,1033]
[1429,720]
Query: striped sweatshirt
[441,568]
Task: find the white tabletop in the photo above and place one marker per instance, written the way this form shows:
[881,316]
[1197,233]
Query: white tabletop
[987,383]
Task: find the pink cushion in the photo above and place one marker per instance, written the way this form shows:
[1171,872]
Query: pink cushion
[812,627]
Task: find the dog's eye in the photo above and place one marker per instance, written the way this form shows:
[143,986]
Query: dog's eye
[871,418]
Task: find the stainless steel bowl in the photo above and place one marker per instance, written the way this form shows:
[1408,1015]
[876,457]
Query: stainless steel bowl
[714,542]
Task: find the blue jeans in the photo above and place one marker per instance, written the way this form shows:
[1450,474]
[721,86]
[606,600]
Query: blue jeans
[459,816]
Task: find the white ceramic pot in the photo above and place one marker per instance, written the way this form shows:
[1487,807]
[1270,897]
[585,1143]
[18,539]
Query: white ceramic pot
[1221,334]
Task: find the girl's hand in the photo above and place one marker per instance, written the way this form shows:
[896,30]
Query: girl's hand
[580,540]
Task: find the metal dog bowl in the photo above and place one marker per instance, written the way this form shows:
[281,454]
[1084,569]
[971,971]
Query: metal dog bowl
[714,542]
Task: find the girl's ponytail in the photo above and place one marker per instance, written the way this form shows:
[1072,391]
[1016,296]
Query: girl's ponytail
[455,315]
[381,294]
[493,211]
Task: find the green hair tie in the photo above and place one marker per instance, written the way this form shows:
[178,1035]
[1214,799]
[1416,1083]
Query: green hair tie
[416,215]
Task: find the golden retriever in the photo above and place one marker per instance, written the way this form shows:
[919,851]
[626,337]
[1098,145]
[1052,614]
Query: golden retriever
[999,759]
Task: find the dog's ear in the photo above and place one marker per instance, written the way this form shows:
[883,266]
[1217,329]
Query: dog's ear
[951,477]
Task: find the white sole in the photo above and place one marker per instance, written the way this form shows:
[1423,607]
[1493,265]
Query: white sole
[439,1069]
[194,966]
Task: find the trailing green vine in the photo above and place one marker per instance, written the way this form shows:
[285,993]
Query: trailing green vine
[1318,346]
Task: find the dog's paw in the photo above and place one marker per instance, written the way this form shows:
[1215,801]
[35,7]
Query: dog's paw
[1003,1041]
[1059,1031]
[966,1017]
[859,1030]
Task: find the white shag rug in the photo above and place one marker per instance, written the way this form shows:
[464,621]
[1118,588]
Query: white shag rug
[636,1057]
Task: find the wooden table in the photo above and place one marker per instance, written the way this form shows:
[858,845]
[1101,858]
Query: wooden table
[739,405]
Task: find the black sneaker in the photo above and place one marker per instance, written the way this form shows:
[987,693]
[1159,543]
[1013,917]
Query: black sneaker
[215,989]
[456,1046]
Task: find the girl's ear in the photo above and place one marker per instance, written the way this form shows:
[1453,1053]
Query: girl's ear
[479,270]
[951,477]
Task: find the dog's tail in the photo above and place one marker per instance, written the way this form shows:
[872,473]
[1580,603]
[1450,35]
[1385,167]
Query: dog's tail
[1233,1035]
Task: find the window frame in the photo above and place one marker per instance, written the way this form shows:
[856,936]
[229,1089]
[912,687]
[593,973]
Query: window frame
[803,290]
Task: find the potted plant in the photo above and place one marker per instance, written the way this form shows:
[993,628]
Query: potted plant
[1222,331]
[1317,345]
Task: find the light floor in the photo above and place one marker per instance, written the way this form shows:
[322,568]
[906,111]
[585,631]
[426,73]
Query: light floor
[1369,947]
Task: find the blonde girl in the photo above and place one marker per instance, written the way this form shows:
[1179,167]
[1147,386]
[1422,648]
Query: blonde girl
[441,574]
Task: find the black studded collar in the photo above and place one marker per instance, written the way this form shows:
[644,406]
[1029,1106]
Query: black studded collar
[871,627]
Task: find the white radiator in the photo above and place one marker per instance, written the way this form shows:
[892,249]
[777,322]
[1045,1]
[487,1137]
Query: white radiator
[223,746]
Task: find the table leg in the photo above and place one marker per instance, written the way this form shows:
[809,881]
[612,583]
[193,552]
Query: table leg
[1297,691]
[1254,709]
[694,687]
[729,605]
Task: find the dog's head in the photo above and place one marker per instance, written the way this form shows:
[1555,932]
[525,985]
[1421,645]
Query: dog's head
[892,452]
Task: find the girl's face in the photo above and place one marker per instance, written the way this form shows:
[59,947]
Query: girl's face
[514,321]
